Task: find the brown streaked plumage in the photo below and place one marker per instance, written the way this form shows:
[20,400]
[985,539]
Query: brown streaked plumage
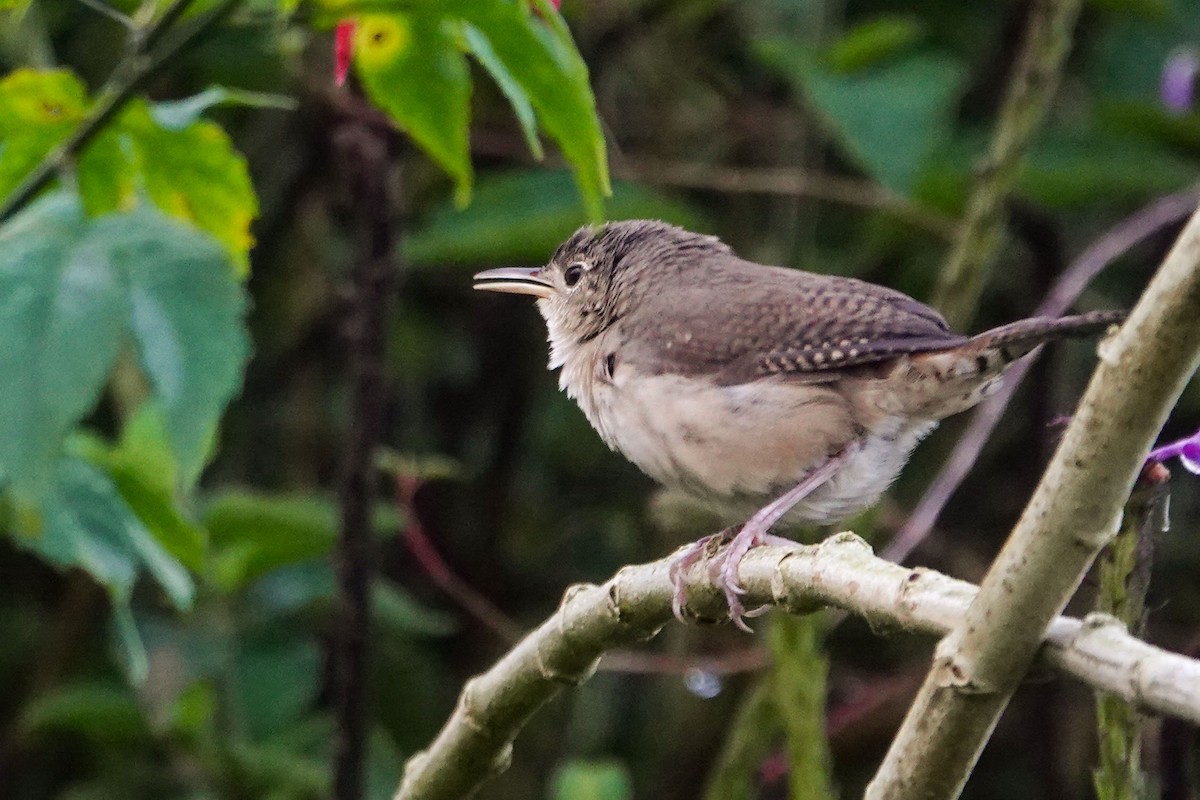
[752,385]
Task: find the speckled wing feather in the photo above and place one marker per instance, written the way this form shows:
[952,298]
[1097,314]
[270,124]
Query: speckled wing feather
[774,321]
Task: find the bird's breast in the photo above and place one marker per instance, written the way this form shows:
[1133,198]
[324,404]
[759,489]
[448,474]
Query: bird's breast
[741,444]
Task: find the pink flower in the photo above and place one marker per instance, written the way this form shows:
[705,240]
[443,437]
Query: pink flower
[1186,450]
[343,50]
[1179,77]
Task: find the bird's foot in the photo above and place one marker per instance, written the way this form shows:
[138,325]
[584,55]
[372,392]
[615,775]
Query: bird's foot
[724,573]
[694,553]
[723,569]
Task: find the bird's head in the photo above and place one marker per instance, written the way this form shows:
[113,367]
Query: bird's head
[603,273]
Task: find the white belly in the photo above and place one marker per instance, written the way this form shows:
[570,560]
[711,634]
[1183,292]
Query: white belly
[743,445]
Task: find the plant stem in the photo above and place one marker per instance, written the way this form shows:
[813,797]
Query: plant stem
[1030,90]
[754,730]
[365,162]
[1124,577]
[798,682]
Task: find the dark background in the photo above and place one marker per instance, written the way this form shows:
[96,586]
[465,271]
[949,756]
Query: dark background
[516,492]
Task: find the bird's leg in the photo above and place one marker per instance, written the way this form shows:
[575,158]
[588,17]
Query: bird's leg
[724,569]
[695,552]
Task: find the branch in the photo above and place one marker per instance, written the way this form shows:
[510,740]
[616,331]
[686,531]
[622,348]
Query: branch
[1116,242]
[787,182]
[635,604]
[1032,87]
[128,76]
[777,181]
[1074,512]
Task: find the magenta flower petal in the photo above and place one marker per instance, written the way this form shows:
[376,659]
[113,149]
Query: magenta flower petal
[1186,450]
[1189,454]
[343,49]
[1177,89]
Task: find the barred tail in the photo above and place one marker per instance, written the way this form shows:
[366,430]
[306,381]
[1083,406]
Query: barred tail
[960,377]
[999,347]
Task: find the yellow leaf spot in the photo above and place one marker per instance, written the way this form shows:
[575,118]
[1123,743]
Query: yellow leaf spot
[380,39]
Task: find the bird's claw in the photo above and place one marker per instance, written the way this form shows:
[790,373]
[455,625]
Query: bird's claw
[723,570]
[688,556]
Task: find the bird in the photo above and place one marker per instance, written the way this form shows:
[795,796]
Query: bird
[756,387]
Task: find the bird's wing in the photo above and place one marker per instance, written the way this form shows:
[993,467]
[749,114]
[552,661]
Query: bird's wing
[774,321]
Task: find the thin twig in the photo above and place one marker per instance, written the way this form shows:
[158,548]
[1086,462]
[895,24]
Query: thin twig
[749,659]
[776,181]
[129,76]
[104,9]
[488,614]
[1030,91]
[786,182]
[145,41]
[1118,241]
[430,560]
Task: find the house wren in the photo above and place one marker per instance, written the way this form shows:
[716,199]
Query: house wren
[756,386]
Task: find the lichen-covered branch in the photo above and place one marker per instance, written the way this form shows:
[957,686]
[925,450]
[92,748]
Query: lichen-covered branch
[1031,89]
[1074,512]
[477,739]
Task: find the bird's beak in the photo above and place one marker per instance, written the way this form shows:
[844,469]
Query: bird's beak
[515,280]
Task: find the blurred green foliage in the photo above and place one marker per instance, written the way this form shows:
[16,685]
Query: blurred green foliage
[165,586]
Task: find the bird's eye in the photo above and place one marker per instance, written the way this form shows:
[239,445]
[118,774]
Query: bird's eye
[572,274]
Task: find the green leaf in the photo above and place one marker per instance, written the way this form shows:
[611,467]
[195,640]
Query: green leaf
[1134,120]
[187,314]
[80,520]
[540,55]
[591,780]
[485,54]
[274,681]
[408,58]
[877,39]
[87,524]
[63,318]
[192,173]
[401,613]
[195,710]
[1065,170]
[253,534]
[293,588]
[102,712]
[187,167]
[411,67]
[145,473]
[72,289]
[37,111]
[888,119]
[519,217]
